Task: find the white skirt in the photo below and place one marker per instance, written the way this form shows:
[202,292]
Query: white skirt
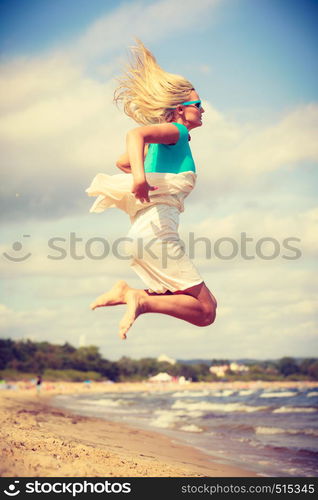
[157,252]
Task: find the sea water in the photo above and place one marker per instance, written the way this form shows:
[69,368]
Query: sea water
[271,432]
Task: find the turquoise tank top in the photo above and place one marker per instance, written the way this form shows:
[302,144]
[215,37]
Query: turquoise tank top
[172,158]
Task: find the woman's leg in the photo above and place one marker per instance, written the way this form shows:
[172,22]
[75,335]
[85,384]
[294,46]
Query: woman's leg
[196,305]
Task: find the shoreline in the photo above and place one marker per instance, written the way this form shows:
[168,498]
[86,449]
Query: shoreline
[39,439]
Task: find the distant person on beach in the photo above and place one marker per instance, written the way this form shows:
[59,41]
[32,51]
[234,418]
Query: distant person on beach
[159,173]
[38,384]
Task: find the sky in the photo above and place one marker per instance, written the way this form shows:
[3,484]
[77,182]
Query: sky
[254,207]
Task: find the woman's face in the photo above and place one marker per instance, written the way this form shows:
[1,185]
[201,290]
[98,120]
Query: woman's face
[190,113]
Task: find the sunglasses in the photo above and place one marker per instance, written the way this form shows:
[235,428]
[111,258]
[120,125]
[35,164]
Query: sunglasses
[197,104]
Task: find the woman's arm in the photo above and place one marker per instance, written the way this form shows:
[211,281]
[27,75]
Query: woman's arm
[123,162]
[165,133]
[127,170]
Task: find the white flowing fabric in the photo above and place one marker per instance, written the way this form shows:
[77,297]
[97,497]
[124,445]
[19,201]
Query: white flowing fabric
[115,191]
[156,251]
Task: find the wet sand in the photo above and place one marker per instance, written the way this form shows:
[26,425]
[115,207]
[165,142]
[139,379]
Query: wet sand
[40,440]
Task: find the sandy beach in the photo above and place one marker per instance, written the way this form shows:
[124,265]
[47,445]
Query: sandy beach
[40,440]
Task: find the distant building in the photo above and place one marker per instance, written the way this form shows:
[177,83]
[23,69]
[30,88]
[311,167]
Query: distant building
[237,368]
[161,377]
[183,380]
[221,370]
[163,358]
[82,340]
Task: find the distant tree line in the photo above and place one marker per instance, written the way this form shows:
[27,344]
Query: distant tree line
[67,362]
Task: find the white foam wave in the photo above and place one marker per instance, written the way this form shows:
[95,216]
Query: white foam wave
[246,392]
[103,402]
[164,419]
[191,428]
[194,413]
[222,394]
[269,430]
[190,394]
[264,462]
[218,407]
[294,409]
[311,432]
[279,430]
[228,392]
[312,394]
[281,394]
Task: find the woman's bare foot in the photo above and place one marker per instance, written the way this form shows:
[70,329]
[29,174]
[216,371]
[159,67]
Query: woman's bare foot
[135,306]
[115,296]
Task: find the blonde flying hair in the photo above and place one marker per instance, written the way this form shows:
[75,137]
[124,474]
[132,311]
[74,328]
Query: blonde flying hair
[147,91]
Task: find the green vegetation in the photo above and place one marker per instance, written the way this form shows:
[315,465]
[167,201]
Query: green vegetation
[26,359]
[51,375]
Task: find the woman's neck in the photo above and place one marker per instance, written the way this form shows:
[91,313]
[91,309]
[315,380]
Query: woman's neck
[182,122]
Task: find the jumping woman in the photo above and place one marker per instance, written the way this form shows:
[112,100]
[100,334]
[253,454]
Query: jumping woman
[159,172]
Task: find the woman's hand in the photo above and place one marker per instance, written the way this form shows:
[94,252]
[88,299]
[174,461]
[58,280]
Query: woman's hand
[141,190]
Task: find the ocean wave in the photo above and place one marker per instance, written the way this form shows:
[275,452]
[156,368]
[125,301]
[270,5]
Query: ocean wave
[312,394]
[295,453]
[279,430]
[285,394]
[194,413]
[191,428]
[219,407]
[223,394]
[295,409]
[104,402]
[248,441]
[246,392]
[190,394]
[165,419]
[269,430]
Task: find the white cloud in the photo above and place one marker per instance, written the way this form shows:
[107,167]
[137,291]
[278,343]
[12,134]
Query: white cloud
[25,319]
[231,154]
[290,141]
[48,261]
[298,230]
[205,69]
[152,21]
[26,80]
